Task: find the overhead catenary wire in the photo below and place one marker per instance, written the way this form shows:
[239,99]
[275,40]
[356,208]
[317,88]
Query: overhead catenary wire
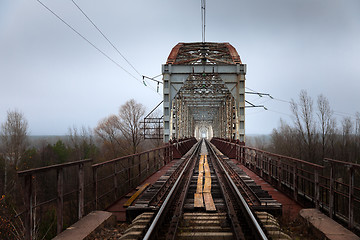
[337,113]
[92,44]
[116,49]
[106,38]
[88,41]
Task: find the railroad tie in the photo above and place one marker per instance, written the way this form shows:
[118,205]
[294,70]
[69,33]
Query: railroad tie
[135,195]
[198,196]
[209,202]
[203,191]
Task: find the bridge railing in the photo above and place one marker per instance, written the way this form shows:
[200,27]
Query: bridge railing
[312,185]
[115,178]
[70,180]
[77,188]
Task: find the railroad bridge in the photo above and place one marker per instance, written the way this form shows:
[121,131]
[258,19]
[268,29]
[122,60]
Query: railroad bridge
[204,182]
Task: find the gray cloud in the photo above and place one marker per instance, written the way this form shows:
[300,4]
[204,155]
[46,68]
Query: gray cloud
[57,79]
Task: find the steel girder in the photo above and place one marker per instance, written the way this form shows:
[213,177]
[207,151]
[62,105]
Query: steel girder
[204,90]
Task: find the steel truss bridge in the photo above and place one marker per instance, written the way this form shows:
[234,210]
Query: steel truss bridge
[204,92]
[204,98]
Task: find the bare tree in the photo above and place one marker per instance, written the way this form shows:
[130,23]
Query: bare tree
[81,141]
[14,141]
[130,115]
[107,130]
[305,123]
[347,127]
[326,121]
[285,140]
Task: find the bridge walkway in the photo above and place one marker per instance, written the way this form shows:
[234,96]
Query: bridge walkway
[118,208]
[290,208]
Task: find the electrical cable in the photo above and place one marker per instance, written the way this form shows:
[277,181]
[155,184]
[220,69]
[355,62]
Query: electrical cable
[146,84]
[342,114]
[279,112]
[337,113]
[107,39]
[88,41]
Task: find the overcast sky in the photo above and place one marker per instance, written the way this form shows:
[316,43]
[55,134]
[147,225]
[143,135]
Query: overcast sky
[58,80]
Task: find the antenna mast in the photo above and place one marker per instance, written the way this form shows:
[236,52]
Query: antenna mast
[203,18]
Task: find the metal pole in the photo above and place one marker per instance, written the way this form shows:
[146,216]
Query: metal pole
[81,191]
[278,161]
[28,205]
[95,188]
[351,197]
[317,189]
[295,182]
[60,199]
[332,192]
[115,180]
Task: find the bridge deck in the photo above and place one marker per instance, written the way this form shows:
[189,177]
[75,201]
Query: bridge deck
[325,227]
[118,208]
[290,209]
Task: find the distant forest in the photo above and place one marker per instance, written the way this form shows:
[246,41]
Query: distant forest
[314,133]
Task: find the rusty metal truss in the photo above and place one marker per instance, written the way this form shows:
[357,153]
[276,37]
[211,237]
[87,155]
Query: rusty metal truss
[203,53]
[204,92]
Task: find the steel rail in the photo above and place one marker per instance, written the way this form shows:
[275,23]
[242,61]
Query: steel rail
[250,194]
[253,221]
[152,227]
[223,183]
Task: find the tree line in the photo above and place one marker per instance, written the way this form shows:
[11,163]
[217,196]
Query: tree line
[115,136]
[315,133]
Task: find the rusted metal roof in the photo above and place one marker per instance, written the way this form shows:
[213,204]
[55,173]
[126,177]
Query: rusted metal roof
[203,53]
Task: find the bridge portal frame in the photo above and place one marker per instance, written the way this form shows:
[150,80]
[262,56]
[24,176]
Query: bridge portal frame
[233,76]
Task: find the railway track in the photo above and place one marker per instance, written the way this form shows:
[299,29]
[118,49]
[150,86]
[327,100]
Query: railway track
[202,202]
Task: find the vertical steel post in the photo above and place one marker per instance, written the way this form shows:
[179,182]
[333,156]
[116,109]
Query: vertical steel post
[260,158]
[148,163]
[81,191]
[268,165]
[115,180]
[243,155]
[351,197]
[317,189]
[156,159]
[139,167]
[129,171]
[295,181]
[28,221]
[60,200]
[279,172]
[95,187]
[171,154]
[332,192]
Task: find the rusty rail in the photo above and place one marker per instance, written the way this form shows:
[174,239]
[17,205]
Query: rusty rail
[308,183]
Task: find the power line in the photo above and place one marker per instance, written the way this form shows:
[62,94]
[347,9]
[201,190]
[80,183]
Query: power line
[203,19]
[88,41]
[337,113]
[107,39]
[279,112]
